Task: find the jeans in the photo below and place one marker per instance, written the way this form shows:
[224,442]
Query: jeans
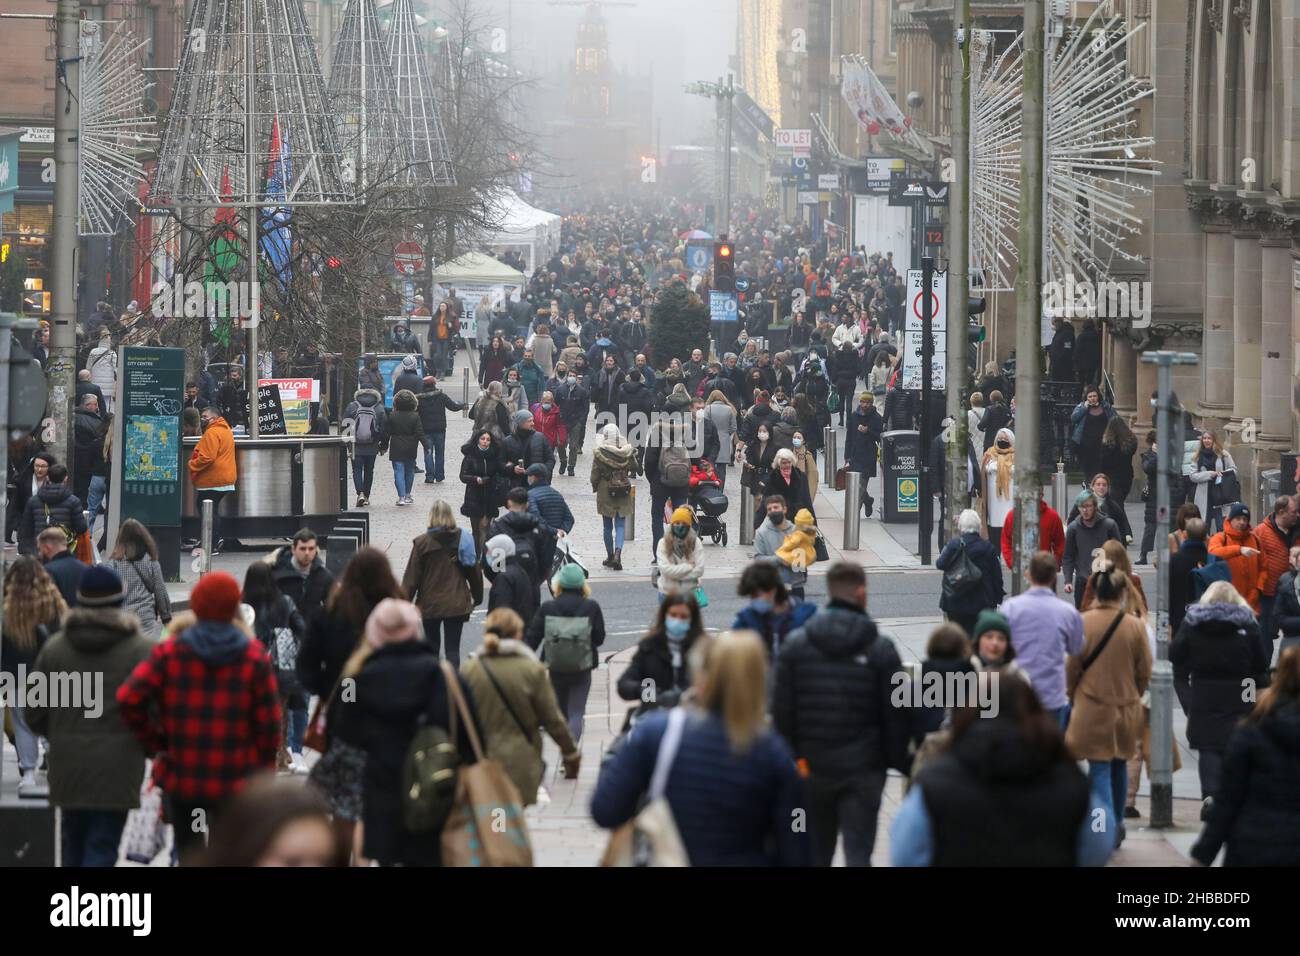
[849,806]
[1266,624]
[26,742]
[404,476]
[1110,785]
[722,474]
[363,474]
[91,838]
[1062,716]
[438,355]
[1148,537]
[435,444]
[660,496]
[1080,584]
[202,494]
[614,529]
[297,727]
[450,635]
[569,450]
[571,692]
[1209,765]
[95,497]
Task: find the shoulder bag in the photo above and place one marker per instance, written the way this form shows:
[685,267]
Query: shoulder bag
[651,838]
[153,592]
[482,662]
[1096,652]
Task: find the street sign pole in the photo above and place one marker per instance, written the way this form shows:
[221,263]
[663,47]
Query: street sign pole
[927,359]
[958,243]
[1169,461]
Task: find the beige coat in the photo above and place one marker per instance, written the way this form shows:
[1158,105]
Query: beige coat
[525,683]
[1107,720]
[808,465]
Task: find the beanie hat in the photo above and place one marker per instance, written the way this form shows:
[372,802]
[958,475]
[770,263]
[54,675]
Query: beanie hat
[990,620]
[100,586]
[215,597]
[521,416]
[392,621]
[537,470]
[408,362]
[683,515]
[804,519]
[1238,509]
[430,380]
[571,578]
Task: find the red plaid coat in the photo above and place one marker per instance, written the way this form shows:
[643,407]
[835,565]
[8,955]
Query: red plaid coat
[208,727]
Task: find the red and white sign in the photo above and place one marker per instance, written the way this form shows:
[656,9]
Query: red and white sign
[408,257]
[793,139]
[938,301]
[295,389]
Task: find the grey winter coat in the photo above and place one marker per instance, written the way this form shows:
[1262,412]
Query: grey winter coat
[374,400]
[152,607]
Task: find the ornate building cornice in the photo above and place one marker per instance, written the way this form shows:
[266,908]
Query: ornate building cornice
[1214,10]
[1242,12]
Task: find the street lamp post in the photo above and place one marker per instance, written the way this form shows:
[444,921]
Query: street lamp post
[724,95]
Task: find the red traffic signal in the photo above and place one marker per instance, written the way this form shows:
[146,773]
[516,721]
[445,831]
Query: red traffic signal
[334,262]
[724,267]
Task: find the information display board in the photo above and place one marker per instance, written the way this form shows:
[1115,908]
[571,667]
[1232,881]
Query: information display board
[147,473]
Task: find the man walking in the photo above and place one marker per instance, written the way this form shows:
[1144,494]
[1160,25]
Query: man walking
[212,467]
[1044,631]
[1276,535]
[574,399]
[434,406]
[831,702]
[1085,534]
[768,539]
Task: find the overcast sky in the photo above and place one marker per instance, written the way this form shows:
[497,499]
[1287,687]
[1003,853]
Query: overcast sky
[682,40]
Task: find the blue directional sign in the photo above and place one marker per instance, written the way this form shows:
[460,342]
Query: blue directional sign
[724,307]
[742,284]
[699,256]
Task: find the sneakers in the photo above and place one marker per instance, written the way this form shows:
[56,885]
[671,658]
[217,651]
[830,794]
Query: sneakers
[298,765]
[570,472]
[30,787]
[400,501]
[1132,813]
[409,500]
[1206,806]
[362,501]
[429,481]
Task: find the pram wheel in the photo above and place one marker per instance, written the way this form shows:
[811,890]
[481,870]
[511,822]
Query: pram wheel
[724,537]
[717,537]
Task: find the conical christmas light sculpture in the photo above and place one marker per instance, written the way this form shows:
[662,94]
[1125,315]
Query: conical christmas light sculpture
[422,125]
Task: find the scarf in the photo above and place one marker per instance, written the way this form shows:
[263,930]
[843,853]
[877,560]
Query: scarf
[611,440]
[675,645]
[1005,457]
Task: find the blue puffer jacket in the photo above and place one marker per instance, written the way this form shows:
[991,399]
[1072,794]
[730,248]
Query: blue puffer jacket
[730,809]
[548,505]
[1079,414]
[773,628]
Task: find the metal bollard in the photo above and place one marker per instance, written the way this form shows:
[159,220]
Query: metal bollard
[1161,766]
[464,390]
[831,440]
[205,537]
[746,517]
[629,526]
[1059,490]
[90,531]
[852,507]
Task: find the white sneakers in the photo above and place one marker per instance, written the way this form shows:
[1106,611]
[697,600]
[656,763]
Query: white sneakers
[31,787]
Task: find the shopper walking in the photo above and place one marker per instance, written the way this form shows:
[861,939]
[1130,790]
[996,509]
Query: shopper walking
[613,466]
[443,580]
[369,427]
[566,632]
[135,559]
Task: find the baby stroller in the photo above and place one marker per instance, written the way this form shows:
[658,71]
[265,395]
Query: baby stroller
[710,506]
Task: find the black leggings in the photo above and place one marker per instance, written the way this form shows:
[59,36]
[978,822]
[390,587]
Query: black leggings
[450,632]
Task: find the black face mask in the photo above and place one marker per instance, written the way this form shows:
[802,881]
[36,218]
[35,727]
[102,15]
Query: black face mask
[778,517]
[1004,444]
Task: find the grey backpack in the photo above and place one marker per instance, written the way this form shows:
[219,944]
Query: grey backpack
[566,644]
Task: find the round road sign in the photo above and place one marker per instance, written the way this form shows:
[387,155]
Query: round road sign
[408,257]
[934,306]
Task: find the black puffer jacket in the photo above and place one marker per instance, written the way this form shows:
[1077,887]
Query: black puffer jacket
[1257,809]
[398,684]
[831,696]
[1216,650]
[652,662]
[527,448]
[434,406]
[51,505]
[308,594]
[404,427]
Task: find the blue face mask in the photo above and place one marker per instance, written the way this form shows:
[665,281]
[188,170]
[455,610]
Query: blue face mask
[676,627]
[761,605]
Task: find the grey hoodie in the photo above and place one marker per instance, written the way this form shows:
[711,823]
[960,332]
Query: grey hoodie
[767,539]
[217,642]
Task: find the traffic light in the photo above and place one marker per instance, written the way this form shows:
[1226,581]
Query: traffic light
[975,332]
[724,267]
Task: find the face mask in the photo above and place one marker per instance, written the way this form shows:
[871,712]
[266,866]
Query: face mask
[676,627]
[762,436]
[681,530]
[778,517]
[1004,444]
[761,605]
[571,380]
[546,406]
[797,442]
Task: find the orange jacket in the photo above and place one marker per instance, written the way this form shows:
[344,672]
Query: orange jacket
[1248,574]
[213,463]
[1275,554]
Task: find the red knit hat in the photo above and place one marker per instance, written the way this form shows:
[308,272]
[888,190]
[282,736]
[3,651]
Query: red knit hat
[215,597]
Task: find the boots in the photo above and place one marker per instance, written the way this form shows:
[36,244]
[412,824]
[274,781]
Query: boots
[618,559]
[609,559]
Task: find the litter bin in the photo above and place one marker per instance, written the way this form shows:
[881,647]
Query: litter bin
[1270,482]
[900,471]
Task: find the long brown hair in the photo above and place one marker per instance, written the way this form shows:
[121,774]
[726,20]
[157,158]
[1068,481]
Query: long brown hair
[1284,688]
[366,580]
[30,600]
[133,542]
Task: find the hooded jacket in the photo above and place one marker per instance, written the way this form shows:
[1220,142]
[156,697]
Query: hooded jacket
[309,593]
[434,406]
[1217,649]
[482,500]
[438,579]
[535,549]
[95,761]
[205,705]
[636,397]
[527,448]
[404,427]
[1248,573]
[373,400]
[52,505]
[831,695]
[212,464]
[605,461]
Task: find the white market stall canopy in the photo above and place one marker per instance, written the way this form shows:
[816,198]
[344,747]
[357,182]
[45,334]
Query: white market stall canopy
[478,269]
[522,225]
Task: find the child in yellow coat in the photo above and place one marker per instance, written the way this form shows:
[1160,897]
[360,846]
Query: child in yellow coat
[799,550]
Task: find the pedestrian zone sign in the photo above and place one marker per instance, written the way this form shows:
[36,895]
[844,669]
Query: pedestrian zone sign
[938,301]
[724,307]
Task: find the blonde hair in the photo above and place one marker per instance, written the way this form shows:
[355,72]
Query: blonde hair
[731,681]
[440,515]
[1222,592]
[502,624]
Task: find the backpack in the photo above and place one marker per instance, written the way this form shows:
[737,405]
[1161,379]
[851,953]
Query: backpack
[364,433]
[429,777]
[1215,569]
[963,576]
[674,467]
[619,483]
[283,646]
[566,644]
[67,532]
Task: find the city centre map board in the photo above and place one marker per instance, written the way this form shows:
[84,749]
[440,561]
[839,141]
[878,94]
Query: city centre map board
[146,477]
